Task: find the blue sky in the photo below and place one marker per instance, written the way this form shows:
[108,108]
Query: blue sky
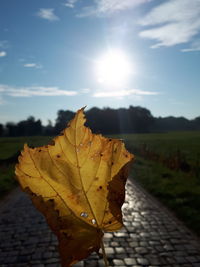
[50,52]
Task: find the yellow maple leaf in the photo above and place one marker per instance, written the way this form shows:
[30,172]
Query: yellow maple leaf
[78,183]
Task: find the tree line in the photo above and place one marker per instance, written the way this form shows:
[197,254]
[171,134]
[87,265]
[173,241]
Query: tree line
[106,121]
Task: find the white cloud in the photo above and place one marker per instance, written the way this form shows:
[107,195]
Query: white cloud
[30,91]
[33,65]
[108,7]
[70,3]
[34,91]
[85,90]
[195,46]
[172,22]
[48,14]
[3,53]
[123,93]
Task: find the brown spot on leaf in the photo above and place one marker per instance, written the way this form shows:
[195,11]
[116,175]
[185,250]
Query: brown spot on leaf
[99,188]
[52,143]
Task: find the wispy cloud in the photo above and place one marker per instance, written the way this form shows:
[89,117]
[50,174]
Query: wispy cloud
[172,22]
[123,93]
[34,91]
[47,13]
[85,91]
[195,46]
[108,7]
[33,65]
[70,3]
[3,53]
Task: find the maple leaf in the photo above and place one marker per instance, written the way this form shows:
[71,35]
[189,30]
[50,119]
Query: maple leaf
[78,183]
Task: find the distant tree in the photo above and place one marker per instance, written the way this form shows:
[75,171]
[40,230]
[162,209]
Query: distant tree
[62,119]
[1,129]
[196,123]
[11,129]
[134,119]
[111,121]
[49,129]
[29,127]
[125,123]
[95,119]
[173,124]
[141,119]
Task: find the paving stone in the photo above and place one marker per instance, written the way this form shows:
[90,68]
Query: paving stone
[168,248]
[108,235]
[120,234]
[121,256]
[23,258]
[114,244]
[52,260]
[109,251]
[119,250]
[129,250]
[142,261]
[130,261]
[192,259]
[170,260]
[47,255]
[180,260]
[91,263]
[141,250]
[133,244]
[118,262]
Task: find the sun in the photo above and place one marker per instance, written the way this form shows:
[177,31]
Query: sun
[113,68]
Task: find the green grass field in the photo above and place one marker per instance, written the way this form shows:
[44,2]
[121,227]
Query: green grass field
[167,144]
[176,188]
[10,145]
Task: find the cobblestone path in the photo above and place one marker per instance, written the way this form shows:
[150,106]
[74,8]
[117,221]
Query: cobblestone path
[152,236]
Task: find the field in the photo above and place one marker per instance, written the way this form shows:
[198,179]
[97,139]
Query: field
[11,145]
[167,165]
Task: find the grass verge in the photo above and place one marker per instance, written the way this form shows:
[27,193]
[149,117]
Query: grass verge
[177,190]
[7,181]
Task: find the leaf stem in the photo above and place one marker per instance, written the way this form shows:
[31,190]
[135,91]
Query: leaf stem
[104,253]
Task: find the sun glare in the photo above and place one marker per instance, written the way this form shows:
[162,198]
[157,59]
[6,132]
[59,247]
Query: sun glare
[113,68]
